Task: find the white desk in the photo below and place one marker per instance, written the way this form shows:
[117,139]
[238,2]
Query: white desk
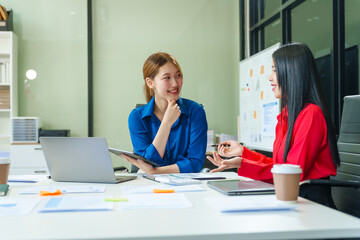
[309,221]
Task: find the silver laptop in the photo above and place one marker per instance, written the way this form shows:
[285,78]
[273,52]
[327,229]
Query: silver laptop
[71,159]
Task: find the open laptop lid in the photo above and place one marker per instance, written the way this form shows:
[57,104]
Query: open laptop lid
[79,159]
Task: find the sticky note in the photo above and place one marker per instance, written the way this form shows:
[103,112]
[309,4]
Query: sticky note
[115,199]
[251,72]
[254,114]
[262,95]
[46,193]
[163,191]
[262,69]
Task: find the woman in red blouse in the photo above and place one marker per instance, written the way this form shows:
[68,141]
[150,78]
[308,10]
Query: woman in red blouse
[304,133]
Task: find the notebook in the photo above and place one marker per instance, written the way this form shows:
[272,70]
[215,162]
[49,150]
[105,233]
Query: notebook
[240,187]
[72,159]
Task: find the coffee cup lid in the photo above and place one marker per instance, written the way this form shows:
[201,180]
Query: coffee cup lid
[286,168]
[4,160]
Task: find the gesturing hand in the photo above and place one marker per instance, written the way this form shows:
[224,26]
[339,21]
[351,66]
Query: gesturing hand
[233,149]
[172,112]
[224,164]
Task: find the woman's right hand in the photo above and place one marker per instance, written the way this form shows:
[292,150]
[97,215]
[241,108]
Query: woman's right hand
[230,149]
[172,112]
[224,164]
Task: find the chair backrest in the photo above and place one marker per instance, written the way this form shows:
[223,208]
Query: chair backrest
[133,168]
[347,199]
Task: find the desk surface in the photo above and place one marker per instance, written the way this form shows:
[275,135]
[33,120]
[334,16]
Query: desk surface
[309,221]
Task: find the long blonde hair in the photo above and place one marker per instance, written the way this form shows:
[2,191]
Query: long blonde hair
[151,68]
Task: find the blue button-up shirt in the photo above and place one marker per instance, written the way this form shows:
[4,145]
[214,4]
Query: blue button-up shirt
[186,144]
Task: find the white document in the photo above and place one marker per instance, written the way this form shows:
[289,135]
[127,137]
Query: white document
[198,176]
[249,203]
[17,206]
[74,204]
[27,178]
[127,189]
[151,201]
[66,189]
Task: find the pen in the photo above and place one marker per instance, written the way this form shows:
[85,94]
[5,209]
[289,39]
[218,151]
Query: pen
[149,177]
[217,145]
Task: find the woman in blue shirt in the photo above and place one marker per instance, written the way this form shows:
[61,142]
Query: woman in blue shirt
[168,130]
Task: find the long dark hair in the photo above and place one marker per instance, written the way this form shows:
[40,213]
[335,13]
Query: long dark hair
[298,80]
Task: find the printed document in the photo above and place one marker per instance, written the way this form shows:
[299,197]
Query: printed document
[249,203]
[74,204]
[66,189]
[148,201]
[131,189]
[17,206]
[27,178]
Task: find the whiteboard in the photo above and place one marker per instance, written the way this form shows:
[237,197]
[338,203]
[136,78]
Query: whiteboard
[258,106]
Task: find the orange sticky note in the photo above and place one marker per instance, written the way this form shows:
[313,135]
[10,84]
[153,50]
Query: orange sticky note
[262,95]
[46,193]
[262,69]
[163,191]
[254,114]
[251,72]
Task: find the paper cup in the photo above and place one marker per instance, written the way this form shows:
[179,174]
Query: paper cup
[4,170]
[286,180]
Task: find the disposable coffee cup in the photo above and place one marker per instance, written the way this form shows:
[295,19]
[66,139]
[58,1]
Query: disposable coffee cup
[4,170]
[286,180]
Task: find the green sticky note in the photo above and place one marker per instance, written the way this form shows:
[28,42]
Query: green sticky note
[115,199]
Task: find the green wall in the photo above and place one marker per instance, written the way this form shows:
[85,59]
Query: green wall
[202,35]
[52,39]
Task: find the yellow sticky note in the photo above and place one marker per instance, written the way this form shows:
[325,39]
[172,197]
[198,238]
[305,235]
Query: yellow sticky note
[262,69]
[251,72]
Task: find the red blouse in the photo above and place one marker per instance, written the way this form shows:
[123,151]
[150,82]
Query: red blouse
[309,148]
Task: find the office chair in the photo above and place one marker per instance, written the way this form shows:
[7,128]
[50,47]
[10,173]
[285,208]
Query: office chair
[133,168]
[346,184]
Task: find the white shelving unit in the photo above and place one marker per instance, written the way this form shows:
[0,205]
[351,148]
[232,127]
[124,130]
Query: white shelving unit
[8,86]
